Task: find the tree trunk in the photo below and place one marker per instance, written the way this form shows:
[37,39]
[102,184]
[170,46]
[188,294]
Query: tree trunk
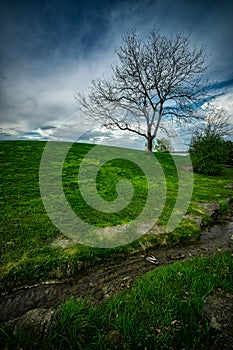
[149,143]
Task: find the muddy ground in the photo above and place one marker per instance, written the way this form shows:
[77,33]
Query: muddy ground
[103,282]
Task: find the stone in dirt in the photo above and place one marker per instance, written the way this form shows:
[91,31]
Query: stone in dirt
[35,323]
[218,309]
[211,208]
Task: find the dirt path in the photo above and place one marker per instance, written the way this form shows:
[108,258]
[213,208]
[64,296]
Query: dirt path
[103,282]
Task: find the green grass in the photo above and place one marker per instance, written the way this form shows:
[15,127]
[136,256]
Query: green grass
[162,310]
[27,233]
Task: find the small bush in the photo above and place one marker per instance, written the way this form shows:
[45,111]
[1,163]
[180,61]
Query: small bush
[208,152]
[229,147]
[163,145]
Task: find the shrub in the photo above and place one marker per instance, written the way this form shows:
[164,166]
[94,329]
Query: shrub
[229,147]
[208,152]
[163,145]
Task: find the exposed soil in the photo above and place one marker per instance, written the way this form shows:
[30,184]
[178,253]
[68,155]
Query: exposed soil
[218,309]
[103,282]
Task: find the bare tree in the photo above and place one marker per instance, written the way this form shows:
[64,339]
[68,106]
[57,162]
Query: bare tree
[163,145]
[217,122]
[156,78]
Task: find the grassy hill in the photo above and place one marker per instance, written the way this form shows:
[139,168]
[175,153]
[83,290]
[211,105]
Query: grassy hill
[162,310]
[28,254]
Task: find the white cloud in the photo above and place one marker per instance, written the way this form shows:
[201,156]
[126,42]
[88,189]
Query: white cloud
[226,102]
[34,101]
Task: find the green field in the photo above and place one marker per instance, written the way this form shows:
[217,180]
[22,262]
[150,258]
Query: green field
[27,233]
[163,309]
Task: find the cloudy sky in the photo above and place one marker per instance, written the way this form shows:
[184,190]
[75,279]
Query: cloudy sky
[52,48]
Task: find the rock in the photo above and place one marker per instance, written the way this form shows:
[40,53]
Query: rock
[218,309]
[223,342]
[175,256]
[211,208]
[229,186]
[35,322]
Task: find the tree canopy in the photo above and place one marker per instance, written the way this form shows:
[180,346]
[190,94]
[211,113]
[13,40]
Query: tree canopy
[156,78]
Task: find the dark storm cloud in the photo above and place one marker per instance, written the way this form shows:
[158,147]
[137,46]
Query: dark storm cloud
[60,29]
[50,48]
[223,84]
[48,29]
